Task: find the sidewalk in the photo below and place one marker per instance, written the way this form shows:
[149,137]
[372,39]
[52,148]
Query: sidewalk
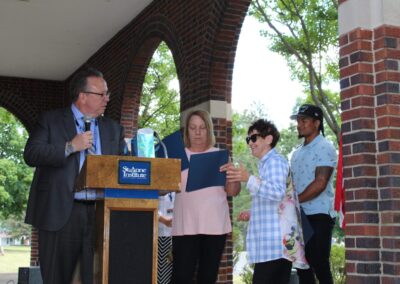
[8,278]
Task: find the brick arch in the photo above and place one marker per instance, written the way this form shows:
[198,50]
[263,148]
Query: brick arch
[155,30]
[26,98]
[228,26]
[26,113]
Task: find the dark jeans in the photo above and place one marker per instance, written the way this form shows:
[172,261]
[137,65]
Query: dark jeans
[202,250]
[318,250]
[274,271]
[60,251]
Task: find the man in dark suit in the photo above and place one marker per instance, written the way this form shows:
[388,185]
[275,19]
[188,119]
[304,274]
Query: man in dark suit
[57,148]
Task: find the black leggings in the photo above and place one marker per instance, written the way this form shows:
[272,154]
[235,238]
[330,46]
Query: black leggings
[274,271]
[202,250]
[318,250]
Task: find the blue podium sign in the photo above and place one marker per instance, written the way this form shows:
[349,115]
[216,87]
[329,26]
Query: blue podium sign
[134,172]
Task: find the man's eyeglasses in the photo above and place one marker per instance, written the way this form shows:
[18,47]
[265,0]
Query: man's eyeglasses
[108,94]
[253,138]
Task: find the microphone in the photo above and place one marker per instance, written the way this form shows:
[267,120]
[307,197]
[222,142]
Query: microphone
[87,120]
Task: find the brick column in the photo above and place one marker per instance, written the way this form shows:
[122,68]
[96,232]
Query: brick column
[370,80]
[387,83]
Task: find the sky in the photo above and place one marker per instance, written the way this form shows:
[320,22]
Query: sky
[261,75]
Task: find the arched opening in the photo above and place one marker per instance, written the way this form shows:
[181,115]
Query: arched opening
[160,101]
[15,180]
[160,110]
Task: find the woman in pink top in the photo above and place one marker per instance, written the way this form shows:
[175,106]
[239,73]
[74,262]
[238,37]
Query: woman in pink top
[201,217]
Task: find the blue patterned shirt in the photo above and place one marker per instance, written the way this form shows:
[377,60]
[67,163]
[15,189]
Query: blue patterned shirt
[305,159]
[264,235]
[80,128]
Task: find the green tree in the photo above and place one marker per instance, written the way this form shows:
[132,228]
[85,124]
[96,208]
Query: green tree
[12,137]
[304,32]
[159,103]
[288,140]
[16,228]
[15,175]
[337,263]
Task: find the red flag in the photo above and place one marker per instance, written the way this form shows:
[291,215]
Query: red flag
[339,195]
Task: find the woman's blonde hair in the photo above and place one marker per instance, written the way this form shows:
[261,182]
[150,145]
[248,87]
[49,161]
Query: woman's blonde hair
[205,116]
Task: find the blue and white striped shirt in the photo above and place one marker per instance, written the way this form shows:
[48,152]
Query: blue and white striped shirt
[264,235]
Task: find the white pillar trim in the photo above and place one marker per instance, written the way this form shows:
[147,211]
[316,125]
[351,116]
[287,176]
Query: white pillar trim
[368,14]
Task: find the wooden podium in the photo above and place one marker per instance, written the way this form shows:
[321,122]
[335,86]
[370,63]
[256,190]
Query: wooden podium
[126,191]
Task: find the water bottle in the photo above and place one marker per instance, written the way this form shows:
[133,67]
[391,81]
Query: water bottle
[145,143]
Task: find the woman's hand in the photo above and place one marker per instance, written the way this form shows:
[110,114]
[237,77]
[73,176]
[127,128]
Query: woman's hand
[244,216]
[232,187]
[235,174]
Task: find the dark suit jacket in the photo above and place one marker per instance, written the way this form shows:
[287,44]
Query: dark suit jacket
[51,195]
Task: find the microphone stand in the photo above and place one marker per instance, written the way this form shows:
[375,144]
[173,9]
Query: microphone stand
[162,144]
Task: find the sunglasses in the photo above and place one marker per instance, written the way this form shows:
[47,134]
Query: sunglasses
[253,138]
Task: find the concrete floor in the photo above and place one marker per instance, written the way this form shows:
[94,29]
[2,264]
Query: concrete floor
[8,278]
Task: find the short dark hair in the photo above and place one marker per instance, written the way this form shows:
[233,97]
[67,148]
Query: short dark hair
[79,81]
[265,128]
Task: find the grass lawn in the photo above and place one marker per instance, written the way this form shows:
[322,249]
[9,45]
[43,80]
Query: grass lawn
[237,280]
[13,258]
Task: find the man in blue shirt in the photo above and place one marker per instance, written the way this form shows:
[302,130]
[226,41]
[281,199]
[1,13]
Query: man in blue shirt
[312,165]
[57,147]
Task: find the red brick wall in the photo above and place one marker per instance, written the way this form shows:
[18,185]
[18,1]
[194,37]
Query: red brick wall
[202,36]
[370,80]
[34,248]
[26,98]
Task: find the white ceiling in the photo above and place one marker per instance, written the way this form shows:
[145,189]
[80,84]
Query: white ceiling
[49,39]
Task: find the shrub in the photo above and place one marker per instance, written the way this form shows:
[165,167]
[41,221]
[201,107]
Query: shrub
[338,263]
[247,274]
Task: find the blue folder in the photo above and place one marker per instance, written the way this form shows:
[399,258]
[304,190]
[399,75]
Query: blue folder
[204,170]
[175,148]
